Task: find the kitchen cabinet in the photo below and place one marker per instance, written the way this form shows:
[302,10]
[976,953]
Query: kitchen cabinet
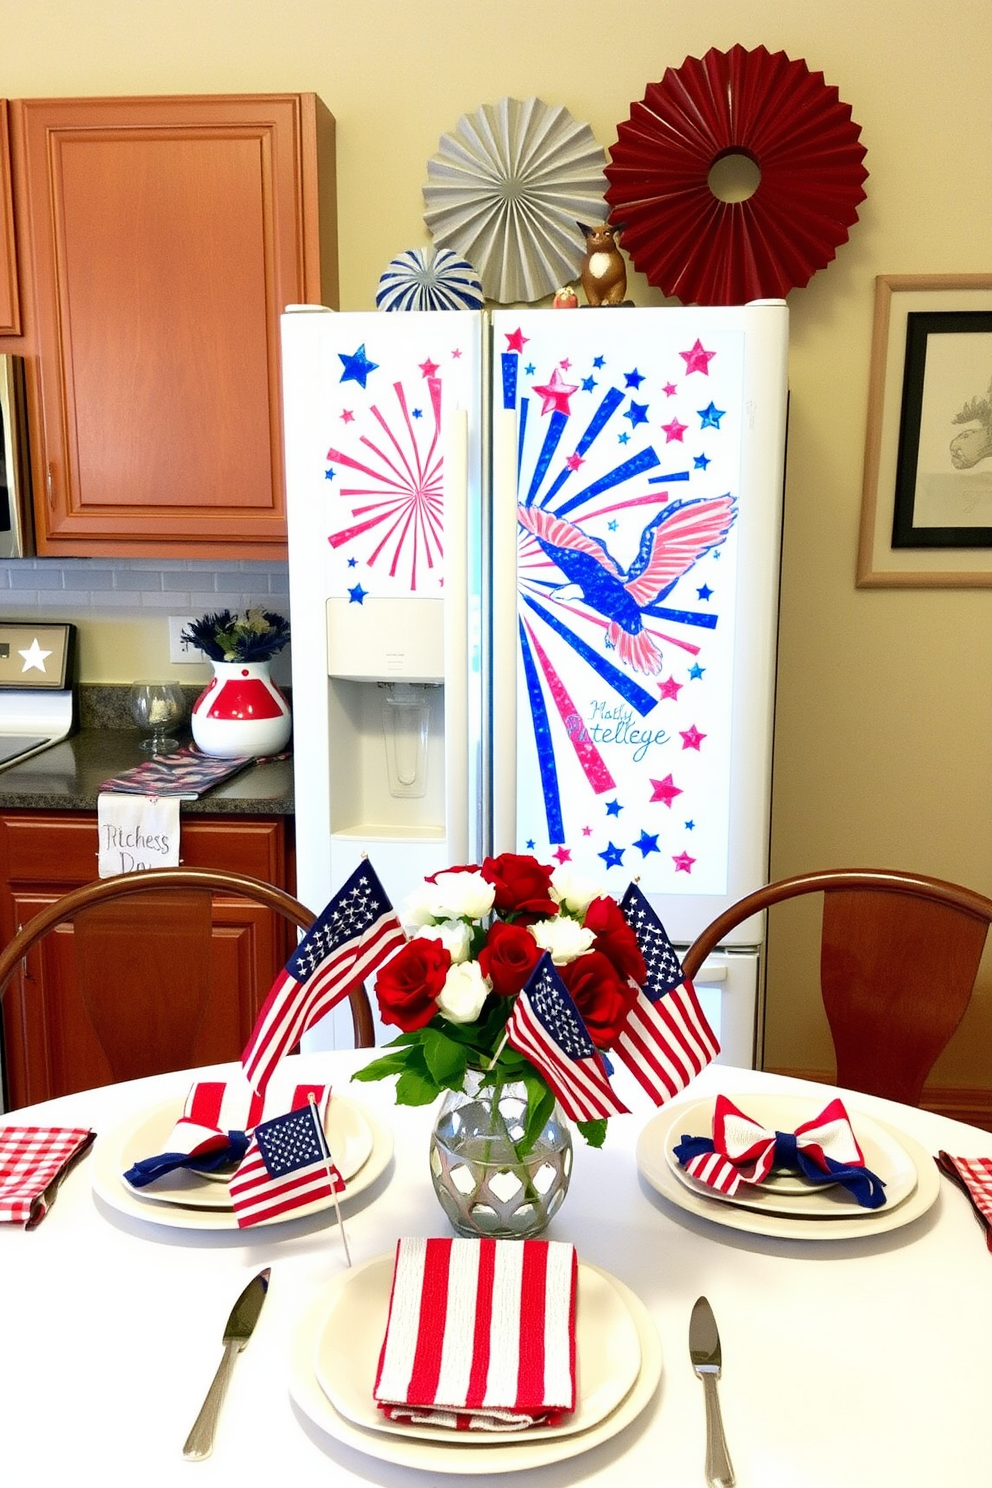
[164,236]
[10,312]
[49,1046]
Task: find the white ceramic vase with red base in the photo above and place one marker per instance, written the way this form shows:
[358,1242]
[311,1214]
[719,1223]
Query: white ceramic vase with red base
[241,712]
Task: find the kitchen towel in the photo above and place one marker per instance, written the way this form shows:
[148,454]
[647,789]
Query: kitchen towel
[974,1175]
[136,832]
[480,1335]
[33,1162]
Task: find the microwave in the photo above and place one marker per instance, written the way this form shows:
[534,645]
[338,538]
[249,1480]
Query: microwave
[16,528]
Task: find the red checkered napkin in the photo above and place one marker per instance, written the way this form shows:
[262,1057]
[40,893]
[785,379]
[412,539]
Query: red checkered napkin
[481,1334]
[974,1175]
[33,1162]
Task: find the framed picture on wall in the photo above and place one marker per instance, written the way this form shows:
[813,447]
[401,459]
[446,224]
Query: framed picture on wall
[926,516]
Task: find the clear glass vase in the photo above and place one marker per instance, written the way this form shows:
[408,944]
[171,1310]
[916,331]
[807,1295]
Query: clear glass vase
[484,1184]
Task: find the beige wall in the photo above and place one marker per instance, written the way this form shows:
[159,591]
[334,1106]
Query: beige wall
[884,717]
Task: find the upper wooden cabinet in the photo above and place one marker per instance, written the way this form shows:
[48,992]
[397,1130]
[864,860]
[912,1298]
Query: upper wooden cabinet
[10,313]
[165,237]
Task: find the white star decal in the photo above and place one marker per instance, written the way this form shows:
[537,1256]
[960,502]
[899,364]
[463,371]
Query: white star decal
[34,657]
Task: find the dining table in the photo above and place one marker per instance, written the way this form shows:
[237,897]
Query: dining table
[856,1352]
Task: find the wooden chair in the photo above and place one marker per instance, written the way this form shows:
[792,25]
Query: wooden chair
[899,954]
[147,972]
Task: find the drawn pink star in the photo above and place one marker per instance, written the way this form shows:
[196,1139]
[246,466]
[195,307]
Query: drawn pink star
[562,854]
[587,831]
[574,461]
[457,353]
[674,430]
[347,417]
[556,394]
[428,368]
[515,340]
[669,389]
[665,790]
[669,688]
[691,738]
[696,359]
[683,863]
[565,363]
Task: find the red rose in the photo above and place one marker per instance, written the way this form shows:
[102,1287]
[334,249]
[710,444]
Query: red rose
[407,986]
[616,939]
[455,868]
[602,997]
[508,958]
[522,884]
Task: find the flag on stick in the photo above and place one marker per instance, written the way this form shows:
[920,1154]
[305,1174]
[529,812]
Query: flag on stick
[665,1040]
[357,931]
[547,1028]
[286,1167]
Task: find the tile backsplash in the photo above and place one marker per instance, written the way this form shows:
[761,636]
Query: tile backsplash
[123,588]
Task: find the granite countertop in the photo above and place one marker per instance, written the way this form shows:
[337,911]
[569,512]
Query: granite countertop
[68,775]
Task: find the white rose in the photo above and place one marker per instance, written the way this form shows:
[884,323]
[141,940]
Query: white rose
[564,938]
[465,894]
[420,907]
[573,891]
[454,935]
[465,990]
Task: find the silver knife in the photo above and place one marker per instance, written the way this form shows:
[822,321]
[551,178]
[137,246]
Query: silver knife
[240,1326]
[704,1350]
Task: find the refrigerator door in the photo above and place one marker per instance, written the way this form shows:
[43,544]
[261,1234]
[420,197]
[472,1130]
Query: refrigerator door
[636,513]
[727,987]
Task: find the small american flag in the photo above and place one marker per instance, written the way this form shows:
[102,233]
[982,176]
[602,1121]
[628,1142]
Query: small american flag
[285,1168]
[547,1028]
[665,1040]
[357,931]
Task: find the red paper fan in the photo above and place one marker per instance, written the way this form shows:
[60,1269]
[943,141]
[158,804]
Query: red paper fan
[686,241]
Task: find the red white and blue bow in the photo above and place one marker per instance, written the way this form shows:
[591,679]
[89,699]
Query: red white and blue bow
[741,1150]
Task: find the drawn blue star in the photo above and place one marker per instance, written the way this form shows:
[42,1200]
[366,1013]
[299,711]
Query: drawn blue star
[696,671]
[700,461]
[622,438]
[357,595]
[704,591]
[357,366]
[529,844]
[612,856]
[711,416]
[416,413]
[613,808]
[588,383]
[329,473]
[529,369]
[599,361]
[612,524]
[637,413]
[634,379]
[352,562]
[647,843]
[690,826]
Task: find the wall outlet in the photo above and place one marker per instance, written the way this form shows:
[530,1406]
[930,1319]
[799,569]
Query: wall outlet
[180,650]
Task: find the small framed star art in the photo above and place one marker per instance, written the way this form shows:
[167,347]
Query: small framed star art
[35,656]
[926,514]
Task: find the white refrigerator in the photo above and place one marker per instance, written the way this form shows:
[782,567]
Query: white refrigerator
[533,564]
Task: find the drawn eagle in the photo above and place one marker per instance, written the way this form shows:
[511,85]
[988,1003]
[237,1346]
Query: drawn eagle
[670,544]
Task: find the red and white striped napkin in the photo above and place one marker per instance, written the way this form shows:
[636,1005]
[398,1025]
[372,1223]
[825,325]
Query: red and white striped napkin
[974,1175]
[481,1334]
[33,1162]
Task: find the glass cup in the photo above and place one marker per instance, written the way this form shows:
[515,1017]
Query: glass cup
[158,707]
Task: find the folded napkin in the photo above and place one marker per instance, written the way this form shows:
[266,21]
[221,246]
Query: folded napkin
[33,1162]
[741,1150]
[481,1334]
[974,1175]
[214,1130]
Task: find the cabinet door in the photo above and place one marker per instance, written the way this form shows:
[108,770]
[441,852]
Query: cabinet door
[10,314]
[83,991]
[166,236]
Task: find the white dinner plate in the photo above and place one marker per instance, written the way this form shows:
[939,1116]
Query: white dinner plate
[525,1450]
[346,1356]
[654,1167]
[884,1155]
[349,1137]
[114,1154]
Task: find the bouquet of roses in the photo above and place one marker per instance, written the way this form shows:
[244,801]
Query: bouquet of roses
[477,935]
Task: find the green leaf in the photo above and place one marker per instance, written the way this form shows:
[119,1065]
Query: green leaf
[389,1064]
[540,1104]
[416,1089]
[594,1132]
[446,1059]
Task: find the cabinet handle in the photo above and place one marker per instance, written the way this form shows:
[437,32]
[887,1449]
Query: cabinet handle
[50,485]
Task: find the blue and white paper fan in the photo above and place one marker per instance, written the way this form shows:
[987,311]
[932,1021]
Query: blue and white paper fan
[429,279]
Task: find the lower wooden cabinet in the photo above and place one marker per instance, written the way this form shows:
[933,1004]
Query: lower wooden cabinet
[50,1046]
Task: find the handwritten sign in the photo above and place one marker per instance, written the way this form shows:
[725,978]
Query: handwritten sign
[136,832]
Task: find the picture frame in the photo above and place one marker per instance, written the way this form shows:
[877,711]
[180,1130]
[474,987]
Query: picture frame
[926,508]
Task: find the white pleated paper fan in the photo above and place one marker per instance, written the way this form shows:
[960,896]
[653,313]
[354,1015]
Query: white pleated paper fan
[508,188]
[429,279]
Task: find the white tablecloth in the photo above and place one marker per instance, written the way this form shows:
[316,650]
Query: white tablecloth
[854,1364]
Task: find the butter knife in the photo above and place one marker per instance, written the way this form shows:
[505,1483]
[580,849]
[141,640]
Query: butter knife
[704,1351]
[240,1326]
